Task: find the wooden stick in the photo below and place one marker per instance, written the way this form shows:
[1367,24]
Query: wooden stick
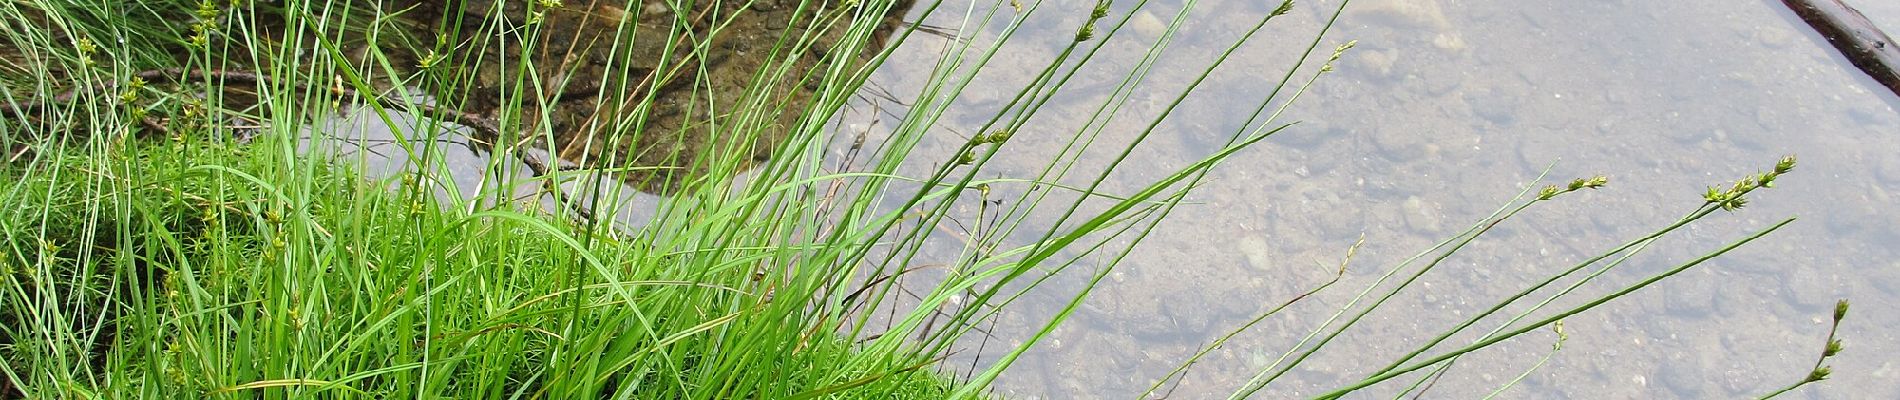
[1855,36]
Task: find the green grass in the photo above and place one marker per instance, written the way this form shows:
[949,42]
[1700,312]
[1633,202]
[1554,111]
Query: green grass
[350,287]
[151,252]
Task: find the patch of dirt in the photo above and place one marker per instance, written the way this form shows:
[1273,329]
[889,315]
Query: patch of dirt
[645,86]
[623,91]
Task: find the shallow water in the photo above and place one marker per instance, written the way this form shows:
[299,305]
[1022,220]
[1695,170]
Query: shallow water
[1445,110]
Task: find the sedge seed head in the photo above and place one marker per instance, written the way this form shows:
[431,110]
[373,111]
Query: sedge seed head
[1548,192]
[1820,374]
[1000,136]
[1714,195]
[1087,32]
[1596,181]
[1786,164]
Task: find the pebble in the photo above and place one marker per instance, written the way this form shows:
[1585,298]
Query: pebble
[1335,221]
[1438,83]
[1420,216]
[1257,251]
[1491,106]
[1182,318]
[657,9]
[1452,42]
[1146,24]
[778,22]
[1375,64]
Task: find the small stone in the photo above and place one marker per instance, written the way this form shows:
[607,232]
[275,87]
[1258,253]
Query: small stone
[1376,64]
[1185,317]
[1492,107]
[1420,216]
[654,9]
[1450,42]
[1148,25]
[1437,82]
[778,22]
[1257,251]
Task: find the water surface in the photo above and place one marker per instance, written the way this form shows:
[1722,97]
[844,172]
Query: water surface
[1446,109]
[1443,111]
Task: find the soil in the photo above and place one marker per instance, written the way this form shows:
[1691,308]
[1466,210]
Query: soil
[656,106]
[608,81]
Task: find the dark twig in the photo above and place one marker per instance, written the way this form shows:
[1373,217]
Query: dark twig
[1856,37]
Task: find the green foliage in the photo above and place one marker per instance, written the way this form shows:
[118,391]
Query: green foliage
[210,279]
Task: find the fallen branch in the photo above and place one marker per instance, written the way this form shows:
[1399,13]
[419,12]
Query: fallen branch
[1855,36]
